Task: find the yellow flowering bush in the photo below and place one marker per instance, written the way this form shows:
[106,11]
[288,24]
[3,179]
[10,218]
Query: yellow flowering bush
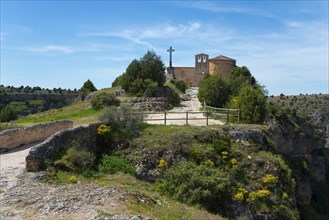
[241,194]
[285,196]
[73,179]
[270,180]
[208,163]
[163,164]
[263,193]
[224,154]
[103,129]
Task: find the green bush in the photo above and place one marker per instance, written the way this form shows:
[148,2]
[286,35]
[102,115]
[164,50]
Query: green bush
[214,91]
[113,165]
[180,85]
[202,185]
[7,114]
[76,160]
[253,105]
[103,99]
[124,123]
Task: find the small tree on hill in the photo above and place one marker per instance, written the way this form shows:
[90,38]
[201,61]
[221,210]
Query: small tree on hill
[214,91]
[144,75]
[87,88]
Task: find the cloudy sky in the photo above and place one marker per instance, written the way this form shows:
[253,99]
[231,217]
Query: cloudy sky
[64,43]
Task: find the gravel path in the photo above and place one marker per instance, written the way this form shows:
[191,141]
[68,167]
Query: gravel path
[179,113]
[12,163]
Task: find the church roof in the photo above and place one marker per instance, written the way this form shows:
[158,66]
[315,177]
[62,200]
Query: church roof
[221,57]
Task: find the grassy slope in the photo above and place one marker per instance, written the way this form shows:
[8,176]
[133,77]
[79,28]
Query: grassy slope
[79,113]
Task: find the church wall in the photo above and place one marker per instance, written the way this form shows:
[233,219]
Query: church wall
[222,67]
[187,74]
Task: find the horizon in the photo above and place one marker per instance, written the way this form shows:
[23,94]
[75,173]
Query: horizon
[62,44]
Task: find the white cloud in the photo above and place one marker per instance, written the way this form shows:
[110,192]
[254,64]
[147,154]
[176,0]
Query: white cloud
[49,49]
[140,35]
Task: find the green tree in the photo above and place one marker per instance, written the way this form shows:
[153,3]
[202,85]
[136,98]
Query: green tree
[87,88]
[239,78]
[144,75]
[117,81]
[214,91]
[252,104]
[7,114]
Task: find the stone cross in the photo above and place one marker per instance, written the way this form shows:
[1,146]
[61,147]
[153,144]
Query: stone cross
[170,50]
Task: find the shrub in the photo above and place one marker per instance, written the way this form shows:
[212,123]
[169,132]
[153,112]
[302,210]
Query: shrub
[197,184]
[214,91]
[180,85]
[252,104]
[113,165]
[7,114]
[124,123]
[103,99]
[76,160]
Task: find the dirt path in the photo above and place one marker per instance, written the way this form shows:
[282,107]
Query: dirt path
[12,164]
[178,114]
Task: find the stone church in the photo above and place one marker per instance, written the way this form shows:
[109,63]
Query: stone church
[194,75]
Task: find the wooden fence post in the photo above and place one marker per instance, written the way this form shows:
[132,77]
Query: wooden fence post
[238,116]
[186,117]
[207,118]
[165,117]
[227,116]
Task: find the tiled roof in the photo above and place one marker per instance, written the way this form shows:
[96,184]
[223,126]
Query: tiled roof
[221,57]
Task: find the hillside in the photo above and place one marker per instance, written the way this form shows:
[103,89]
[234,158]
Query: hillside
[314,107]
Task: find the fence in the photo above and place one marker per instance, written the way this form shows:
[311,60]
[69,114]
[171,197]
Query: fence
[185,116]
[219,112]
[210,114]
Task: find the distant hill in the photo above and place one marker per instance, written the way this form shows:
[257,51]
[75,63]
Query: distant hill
[314,107]
[29,100]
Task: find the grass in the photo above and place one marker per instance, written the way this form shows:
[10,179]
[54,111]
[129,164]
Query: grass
[79,113]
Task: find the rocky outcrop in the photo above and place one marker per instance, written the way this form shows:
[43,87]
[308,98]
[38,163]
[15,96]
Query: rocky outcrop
[14,138]
[83,137]
[147,104]
[295,138]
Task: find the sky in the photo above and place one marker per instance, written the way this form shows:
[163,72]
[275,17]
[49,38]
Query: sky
[61,43]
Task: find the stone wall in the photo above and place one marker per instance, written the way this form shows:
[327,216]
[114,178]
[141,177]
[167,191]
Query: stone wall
[13,138]
[146,104]
[83,137]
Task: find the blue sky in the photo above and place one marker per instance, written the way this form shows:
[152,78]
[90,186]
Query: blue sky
[64,43]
